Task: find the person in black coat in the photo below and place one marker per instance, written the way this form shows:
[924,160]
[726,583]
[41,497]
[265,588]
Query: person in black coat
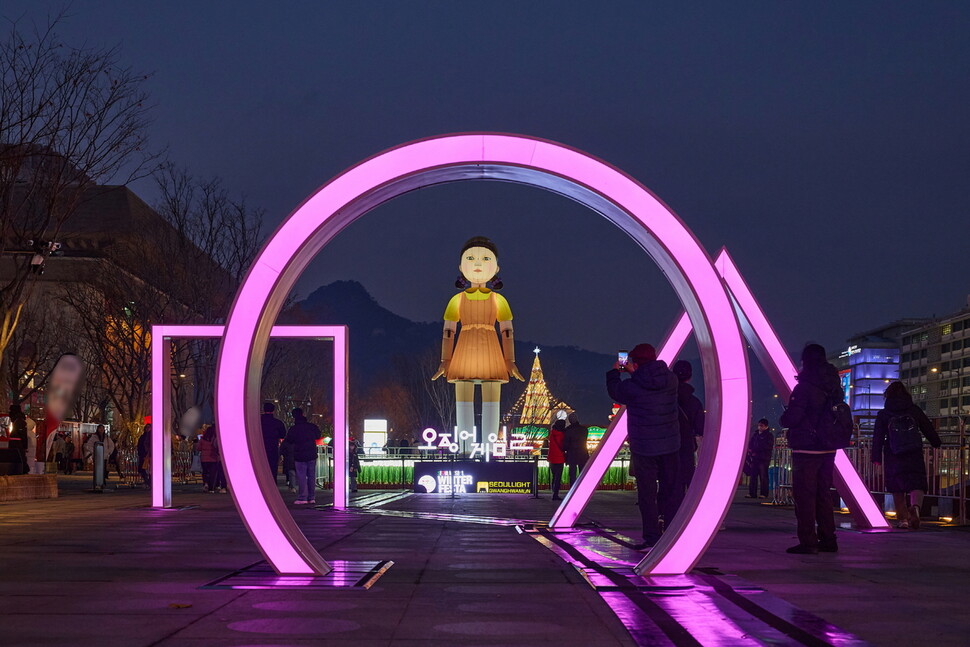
[690,417]
[144,448]
[577,453]
[18,430]
[813,464]
[302,437]
[273,432]
[760,446]
[897,443]
[650,396]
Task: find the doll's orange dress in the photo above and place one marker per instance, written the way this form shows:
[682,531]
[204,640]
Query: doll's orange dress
[478,355]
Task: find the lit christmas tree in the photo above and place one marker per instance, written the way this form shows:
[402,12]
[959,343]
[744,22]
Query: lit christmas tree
[533,412]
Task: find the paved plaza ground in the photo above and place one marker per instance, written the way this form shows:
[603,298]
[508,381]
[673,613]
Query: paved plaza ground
[103,569]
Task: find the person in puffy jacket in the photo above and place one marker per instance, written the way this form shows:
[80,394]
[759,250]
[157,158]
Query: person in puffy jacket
[303,436]
[144,448]
[213,474]
[813,464]
[18,430]
[650,396]
[897,444]
[557,456]
[760,446]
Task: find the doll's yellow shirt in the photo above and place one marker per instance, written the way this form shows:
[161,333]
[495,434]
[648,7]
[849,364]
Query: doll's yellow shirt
[501,303]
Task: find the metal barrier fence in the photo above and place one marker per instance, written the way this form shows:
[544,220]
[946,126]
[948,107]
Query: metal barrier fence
[947,470]
[182,472]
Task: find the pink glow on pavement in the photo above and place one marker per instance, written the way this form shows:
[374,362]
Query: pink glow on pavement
[538,163]
[581,492]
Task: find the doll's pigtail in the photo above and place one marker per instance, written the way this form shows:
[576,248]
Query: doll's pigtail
[462,283]
[495,283]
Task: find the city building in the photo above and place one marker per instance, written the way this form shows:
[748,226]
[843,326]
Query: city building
[129,266]
[868,365]
[935,364]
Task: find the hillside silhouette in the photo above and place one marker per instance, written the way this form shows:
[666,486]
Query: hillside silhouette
[379,339]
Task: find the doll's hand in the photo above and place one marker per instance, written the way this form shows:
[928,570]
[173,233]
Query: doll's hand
[514,371]
[442,370]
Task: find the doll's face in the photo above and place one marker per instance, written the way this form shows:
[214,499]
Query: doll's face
[478,264]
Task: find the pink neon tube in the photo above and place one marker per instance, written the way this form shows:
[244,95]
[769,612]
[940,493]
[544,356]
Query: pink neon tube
[161,469]
[528,161]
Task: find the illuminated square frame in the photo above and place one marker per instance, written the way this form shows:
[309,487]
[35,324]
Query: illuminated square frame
[162,336]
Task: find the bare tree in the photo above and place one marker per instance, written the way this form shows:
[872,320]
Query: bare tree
[33,349]
[433,401]
[297,373]
[216,239]
[70,119]
[115,311]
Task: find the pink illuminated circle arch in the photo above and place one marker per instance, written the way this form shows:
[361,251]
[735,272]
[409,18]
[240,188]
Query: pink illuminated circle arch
[482,156]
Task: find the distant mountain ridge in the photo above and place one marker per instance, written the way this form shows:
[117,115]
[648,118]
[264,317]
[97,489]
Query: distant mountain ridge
[574,375]
[377,334]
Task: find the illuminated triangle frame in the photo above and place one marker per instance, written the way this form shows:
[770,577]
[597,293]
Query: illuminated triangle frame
[694,528]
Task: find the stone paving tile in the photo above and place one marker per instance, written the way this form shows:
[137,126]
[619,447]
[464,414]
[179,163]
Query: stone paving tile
[101,570]
[52,628]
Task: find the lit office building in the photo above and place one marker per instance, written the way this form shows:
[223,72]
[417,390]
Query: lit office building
[935,364]
[868,365]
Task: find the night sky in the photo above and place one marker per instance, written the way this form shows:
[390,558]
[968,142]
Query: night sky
[825,144]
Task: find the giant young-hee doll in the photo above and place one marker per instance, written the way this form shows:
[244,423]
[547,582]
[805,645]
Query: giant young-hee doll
[478,357]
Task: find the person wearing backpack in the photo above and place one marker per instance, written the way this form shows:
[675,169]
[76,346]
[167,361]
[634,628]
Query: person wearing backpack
[897,444]
[814,439]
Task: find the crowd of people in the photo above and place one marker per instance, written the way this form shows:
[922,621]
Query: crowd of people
[666,422]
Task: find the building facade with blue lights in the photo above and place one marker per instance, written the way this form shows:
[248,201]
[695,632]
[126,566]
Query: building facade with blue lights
[868,365]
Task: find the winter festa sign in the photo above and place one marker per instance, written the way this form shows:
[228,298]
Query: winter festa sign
[464,477]
[715,321]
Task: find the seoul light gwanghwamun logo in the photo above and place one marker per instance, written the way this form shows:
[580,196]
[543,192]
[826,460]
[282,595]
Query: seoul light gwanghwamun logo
[719,310]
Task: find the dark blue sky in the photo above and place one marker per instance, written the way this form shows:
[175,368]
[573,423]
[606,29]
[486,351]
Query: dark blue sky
[825,144]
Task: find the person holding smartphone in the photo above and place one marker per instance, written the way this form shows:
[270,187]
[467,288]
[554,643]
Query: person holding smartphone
[650,395]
